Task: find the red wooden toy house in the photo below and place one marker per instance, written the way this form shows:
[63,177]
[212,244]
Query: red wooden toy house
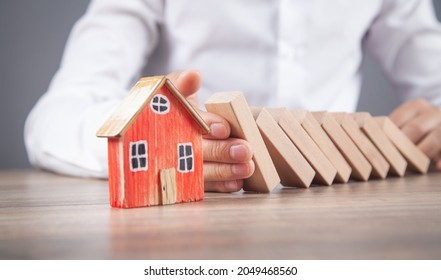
[154,147]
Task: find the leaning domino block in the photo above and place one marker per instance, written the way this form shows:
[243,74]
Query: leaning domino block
[373,130]
[325,171]
[292,167]
[313,128]
[416,159]
[233,107]
[380,166]
[361,169]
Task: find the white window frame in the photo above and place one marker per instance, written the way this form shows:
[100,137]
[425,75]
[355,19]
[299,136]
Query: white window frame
[139,157]
[185,157]
[166,104]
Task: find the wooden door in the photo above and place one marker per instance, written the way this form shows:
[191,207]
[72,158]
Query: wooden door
[168,186]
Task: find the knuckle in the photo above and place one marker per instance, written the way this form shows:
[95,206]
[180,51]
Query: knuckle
[214,150]
[219,171]
[416,129]
[214,187]
[421,102]
[219,187]
[221,150]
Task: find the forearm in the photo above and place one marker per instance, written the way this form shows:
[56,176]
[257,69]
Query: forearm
[405,39]
[105,52]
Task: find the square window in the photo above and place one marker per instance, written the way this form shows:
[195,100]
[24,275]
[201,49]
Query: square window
[185,157]
[138,156]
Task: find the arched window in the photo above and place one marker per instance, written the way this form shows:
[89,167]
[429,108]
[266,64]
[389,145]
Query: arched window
[160,104]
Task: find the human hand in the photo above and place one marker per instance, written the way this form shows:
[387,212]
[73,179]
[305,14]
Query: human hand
[421,122]
[227,161]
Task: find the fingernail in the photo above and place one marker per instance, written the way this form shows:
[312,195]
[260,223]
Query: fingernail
[218,130]
[230,186]
[239,152]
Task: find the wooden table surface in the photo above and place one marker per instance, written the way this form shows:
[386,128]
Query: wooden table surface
[46,216]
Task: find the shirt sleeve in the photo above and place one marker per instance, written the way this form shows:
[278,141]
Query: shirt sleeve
[405,38]
[106,51]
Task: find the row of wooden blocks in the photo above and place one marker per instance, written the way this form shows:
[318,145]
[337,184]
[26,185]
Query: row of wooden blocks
[300,148]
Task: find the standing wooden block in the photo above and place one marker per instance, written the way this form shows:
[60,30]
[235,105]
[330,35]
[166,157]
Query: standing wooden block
[292,167]
[417,160]
[380,166]
[361,169]
[374,132]
[313,128]
[233,107]
[325,171]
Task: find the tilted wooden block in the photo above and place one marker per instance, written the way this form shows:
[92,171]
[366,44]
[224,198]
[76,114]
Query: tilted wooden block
[373,130]
[234,108]
[292,167]
[380,166]
[316,132]
[325,171]
[361,168]
[416,159]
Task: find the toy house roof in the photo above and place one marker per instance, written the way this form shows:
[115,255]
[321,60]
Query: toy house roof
[140,95]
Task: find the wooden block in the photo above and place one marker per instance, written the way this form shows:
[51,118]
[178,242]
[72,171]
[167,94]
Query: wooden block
[361,169]
[168,186]
[233,107]
[380,166]
[325,171]
[374,132]
[316,132]
[416,159]
[292,167]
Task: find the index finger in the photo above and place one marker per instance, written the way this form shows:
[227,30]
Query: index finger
[407,111]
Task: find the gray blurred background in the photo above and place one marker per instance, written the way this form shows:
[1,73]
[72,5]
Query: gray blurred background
[33,35]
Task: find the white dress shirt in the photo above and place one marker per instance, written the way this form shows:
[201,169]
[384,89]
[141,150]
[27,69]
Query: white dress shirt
[290,53]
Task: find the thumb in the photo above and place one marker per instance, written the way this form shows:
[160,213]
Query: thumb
[188,83]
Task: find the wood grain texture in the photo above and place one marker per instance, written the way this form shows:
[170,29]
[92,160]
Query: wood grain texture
[292,167]
[361,169]
[45,216]
[168,186]
[416,159]
[233,107]
[313,128]
[325,171]
[374,132]
[380,166]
